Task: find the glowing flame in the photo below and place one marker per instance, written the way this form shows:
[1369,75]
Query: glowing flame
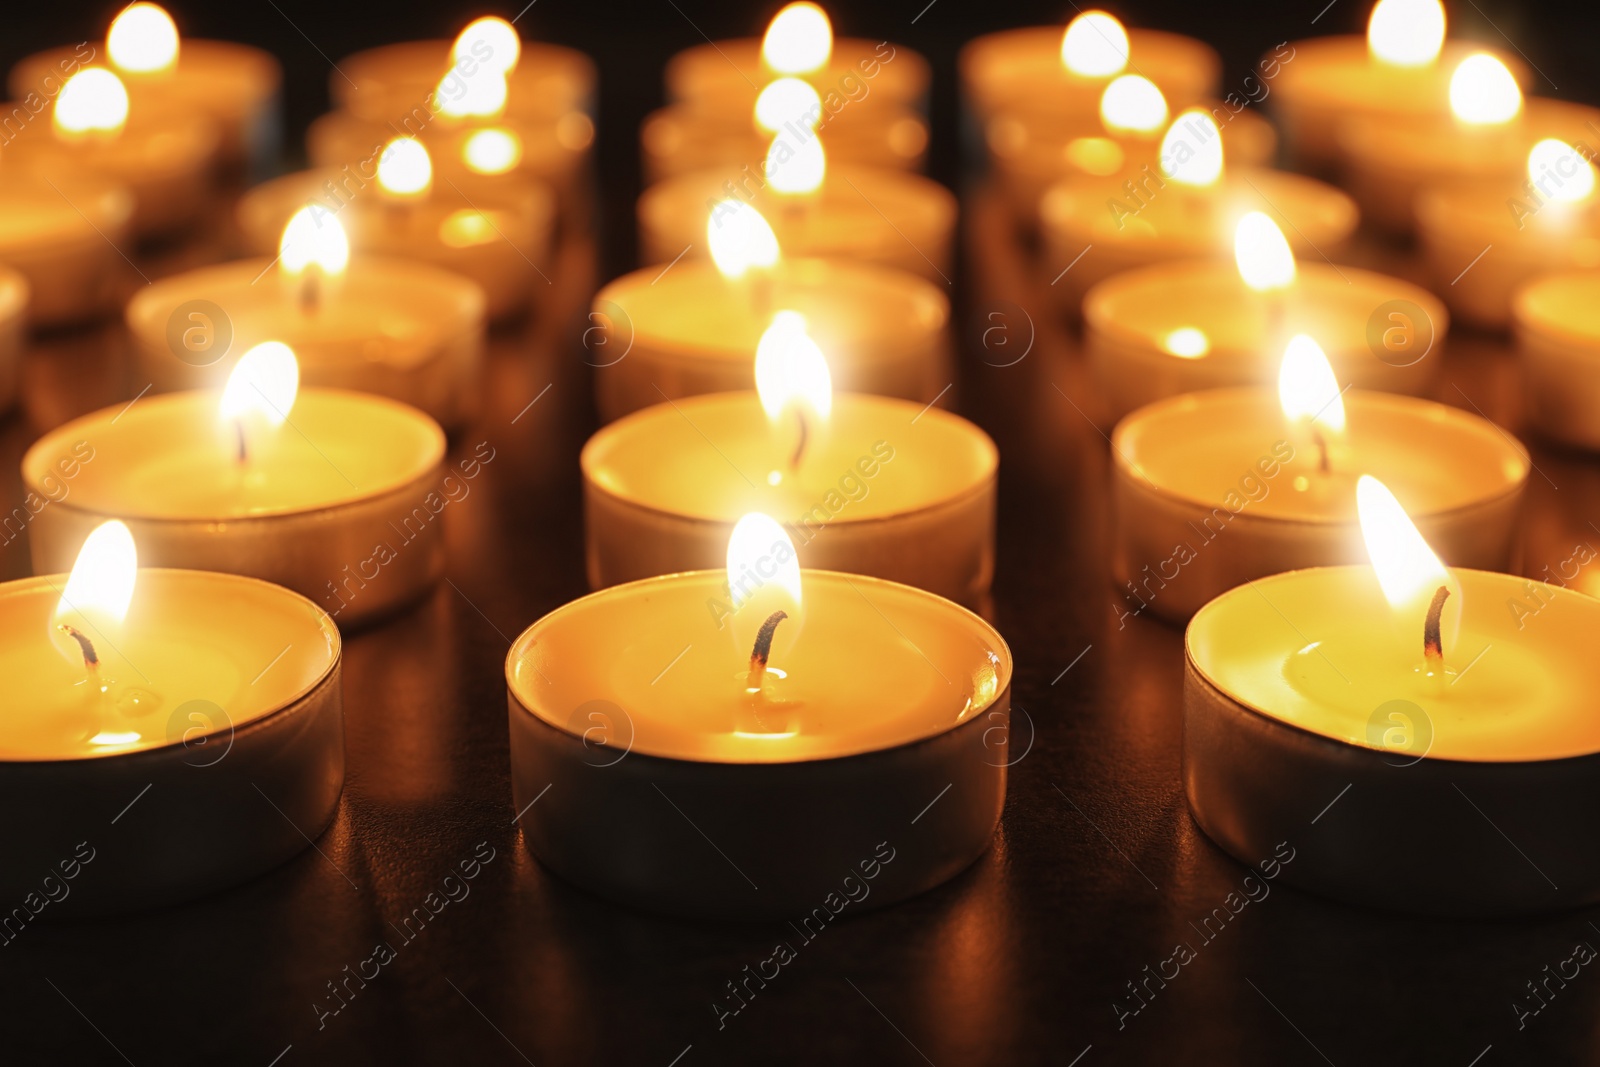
[264,382]
[1407,570]
[1191,152]
[1133,104]
[492,151]
[796,170]
[143,39]
[483,95]
[1262,253]
[788,100]
[1406,33]
[404,169]
[791,369]
[799,40]
[1095,45]
[99,589]
[740,238]
[492,42]
[1187,342]
[313,238]
[1574,175]
[93,99]
[1307,388]
[1483,92]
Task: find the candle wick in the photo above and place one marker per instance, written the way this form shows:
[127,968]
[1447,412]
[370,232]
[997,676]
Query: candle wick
[238,430]
[311,291]
[91,658]
[763,649]
[1322,448]
[1432,645]
[805,435]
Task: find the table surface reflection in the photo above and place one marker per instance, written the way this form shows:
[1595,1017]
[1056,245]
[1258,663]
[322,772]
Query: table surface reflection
[1096,874]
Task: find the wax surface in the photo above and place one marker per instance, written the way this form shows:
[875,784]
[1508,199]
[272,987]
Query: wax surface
[1563,306]
[1321,649]
[173,457]
[1201,446]
[870,665]
[245,646]
[712,457]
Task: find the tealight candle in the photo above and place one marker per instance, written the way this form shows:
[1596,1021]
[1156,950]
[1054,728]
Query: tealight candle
[1033,151]
[496,235]
[1327,696]
[1177,327]
[127,686]
[1399,73]
[1387,166]
[1187,208]
[163,157]
[869,214]
[667,335]
[339,503]
[1483,240]
[14,296]
[728,76]
[234,85]
[395,327]
[1217,489]
[867,484]
[720,703]
[394,82]
[1042,70]
[62,233]
[1558,336]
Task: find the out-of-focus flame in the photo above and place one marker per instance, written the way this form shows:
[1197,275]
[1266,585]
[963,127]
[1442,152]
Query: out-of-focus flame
[1262,253]
[1095,45]
[404,169]
[491,41]
[94,100]
[1187,342]
[1191,152]
[1133,104]
[787,100]
[143,39]
[795,170]
[1483,92]
[791,369]
[313,239]
[492,151]
[1406,33]
[264,382]
[1574,175]
[740,238]
[1307,388]
[799,39]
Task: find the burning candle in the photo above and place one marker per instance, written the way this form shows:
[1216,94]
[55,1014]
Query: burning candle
[1187,210]
[865,484]
[664,335]
[1342,695]
[1217,489]
[1398,75]
[339,503]
[1558,339]
[1174,328]
[161,154]
[129,685]
[1043,71]
[761,732]
[233,85]
[384,325]
[392,205]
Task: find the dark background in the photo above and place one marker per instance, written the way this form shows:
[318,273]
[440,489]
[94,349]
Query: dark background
[1096,872]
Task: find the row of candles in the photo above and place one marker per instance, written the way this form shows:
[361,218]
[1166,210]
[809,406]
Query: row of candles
[813,255]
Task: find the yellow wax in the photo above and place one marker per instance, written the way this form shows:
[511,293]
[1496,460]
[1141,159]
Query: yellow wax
[245,646]
[173,457]
[868,665]
[1205,447]
[1322,650]
[717,457]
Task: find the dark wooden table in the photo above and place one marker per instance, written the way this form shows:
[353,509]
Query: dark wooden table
[1097,872]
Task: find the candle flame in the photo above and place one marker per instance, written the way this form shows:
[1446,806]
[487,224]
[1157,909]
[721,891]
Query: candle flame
[480,95]
[1483,92]
[1191,152]
[799,39]
[1187,342]
[1407,569]
[313,238]
[492,151]
[404,168]
[93,99]
[264,381]
[1133,104]
[492,42]
[1095,45]
[740,238]
[787,100]
[1307,388]
[100,587]
[1574,178]
[1262,253]
[796,171]
[791,369]
[761,557]
[1406,33]
[143,39]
